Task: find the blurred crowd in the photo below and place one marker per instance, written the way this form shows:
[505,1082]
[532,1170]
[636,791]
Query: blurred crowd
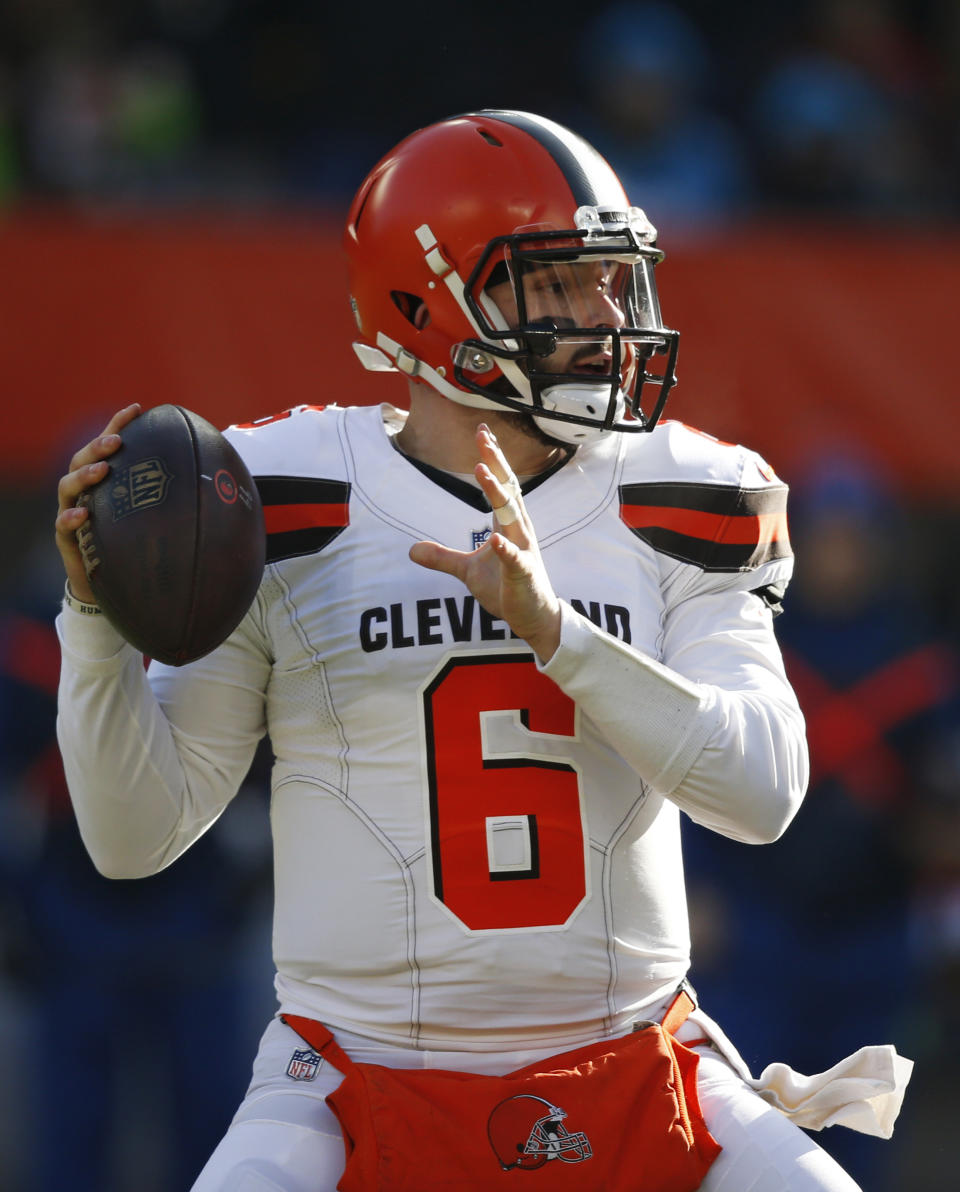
[708,110]
[129,1010]
[846,931]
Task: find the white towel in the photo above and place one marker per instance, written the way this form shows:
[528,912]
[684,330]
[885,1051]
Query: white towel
[863,1092]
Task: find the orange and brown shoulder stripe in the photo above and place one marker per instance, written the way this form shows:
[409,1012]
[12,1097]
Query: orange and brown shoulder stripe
[302,515]
[716,527]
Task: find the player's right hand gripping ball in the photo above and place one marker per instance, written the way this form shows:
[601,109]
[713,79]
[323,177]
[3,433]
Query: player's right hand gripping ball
[174,544]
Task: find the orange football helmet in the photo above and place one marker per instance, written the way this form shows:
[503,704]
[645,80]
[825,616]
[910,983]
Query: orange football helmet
[512,205]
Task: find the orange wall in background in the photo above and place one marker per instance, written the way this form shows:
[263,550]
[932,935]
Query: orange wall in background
[791,338]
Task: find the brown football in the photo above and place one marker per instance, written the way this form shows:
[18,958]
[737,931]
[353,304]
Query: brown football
[174,545]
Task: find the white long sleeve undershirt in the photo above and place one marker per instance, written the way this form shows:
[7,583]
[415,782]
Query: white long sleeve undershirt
[735,760]
[149,776]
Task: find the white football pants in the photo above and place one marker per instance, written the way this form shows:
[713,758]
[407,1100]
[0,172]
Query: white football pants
[284,1138]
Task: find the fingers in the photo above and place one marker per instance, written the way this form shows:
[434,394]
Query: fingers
[107,441]
[505,573]
[87,467]
[435,557]
[505,500]
[498,481]
[77,482]
[507,514]
[510,556]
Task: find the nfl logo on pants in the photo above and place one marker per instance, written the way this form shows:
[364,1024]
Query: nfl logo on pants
[303,1065]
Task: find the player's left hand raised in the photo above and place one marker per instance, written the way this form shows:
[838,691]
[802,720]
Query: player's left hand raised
[506,574]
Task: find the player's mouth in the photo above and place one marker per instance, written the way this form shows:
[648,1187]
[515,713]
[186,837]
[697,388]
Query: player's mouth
[592,363]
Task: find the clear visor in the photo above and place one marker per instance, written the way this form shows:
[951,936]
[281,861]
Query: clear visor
[571,320]
[579,295]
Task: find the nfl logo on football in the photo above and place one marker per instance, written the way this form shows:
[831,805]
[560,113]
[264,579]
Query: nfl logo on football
[139,486]
[303,1065]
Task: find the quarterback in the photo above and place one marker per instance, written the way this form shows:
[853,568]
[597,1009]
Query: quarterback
[506,635]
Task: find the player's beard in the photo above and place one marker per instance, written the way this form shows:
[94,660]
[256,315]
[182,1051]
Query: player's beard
[521,421]
[525,424]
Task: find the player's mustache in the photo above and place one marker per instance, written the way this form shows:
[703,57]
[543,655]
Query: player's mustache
[598,352]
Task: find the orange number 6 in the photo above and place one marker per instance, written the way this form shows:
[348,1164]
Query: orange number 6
[506,830]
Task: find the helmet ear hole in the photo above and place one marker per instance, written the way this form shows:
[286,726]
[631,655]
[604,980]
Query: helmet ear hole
[413,309]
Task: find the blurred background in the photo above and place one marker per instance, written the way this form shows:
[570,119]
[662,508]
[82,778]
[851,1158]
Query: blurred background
[173,180]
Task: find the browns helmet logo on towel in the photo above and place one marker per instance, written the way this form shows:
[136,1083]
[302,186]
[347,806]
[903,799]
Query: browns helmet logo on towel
[526,1132]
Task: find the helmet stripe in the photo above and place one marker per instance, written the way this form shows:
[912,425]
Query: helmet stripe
[590,178]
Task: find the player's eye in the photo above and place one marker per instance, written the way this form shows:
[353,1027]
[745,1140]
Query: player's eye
[549,286]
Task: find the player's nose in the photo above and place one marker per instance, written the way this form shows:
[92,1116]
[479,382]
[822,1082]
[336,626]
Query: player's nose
[601,309]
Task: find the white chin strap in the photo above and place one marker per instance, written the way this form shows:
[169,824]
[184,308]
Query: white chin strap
[589,399]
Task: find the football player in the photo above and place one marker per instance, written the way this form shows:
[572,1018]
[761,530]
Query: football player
[506,635]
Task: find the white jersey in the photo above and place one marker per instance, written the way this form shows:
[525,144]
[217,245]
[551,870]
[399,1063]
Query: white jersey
[472,851]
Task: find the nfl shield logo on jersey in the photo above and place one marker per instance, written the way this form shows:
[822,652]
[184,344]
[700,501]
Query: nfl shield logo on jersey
[303,1065]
